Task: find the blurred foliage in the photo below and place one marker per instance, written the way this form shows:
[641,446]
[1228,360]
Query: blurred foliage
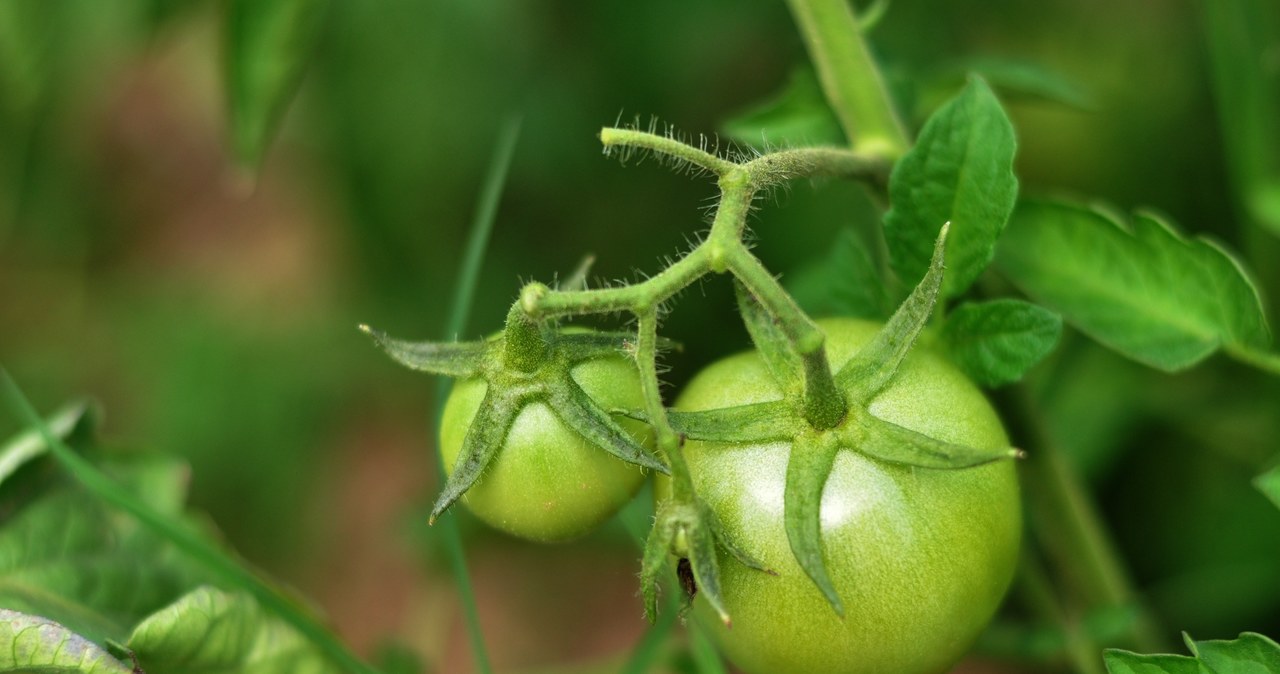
[219,324]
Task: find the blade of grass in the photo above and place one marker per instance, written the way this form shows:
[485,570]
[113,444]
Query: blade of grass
[216,561]
[460,310]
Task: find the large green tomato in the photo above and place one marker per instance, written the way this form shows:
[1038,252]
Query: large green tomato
[547,483]
[920,557]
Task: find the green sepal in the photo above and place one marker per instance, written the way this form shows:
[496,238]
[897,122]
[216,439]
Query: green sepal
[706,568]
[656,548]
[759,422]
[451,359]
[771,343]
[891,443]
[488,430]
[580,346]
[723,540]
[585,416]
[808,467]
[30,643]
[871,368]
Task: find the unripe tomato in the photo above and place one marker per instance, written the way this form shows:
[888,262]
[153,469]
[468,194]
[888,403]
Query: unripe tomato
[547,483]
[921,558]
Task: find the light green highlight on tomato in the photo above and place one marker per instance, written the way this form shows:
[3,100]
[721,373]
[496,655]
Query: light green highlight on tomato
[547,483]
[920,557]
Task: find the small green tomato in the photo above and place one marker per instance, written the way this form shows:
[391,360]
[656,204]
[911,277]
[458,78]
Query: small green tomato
[920,557]
[547,483]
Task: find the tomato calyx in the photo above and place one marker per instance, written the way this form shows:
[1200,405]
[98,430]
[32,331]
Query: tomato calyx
[814,448]
[529,362]
[689,530]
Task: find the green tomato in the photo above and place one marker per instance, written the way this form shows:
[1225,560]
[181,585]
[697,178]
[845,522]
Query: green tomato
[920,557]
[547,483]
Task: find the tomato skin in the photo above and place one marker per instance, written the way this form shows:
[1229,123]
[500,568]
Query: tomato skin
[548,484]
[921,558]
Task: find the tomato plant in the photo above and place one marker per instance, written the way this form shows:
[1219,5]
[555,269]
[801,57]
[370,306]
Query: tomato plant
[921,557]
[548,483]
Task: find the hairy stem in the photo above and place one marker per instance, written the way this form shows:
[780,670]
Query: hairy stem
[849,77]
[668,441]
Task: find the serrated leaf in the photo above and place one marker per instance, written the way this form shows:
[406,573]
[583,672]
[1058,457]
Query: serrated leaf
[846,282]
[1251,653]
[30,644]
[1269,484]
[996,342]
[269,44]
[216,632]
[959,171]
[1145,291]
[66,558]
[796,116]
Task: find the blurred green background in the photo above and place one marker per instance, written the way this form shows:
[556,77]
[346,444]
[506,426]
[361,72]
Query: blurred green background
[217,322]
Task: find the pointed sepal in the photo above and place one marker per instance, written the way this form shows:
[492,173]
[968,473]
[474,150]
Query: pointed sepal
[807,470]
[452,359]
[705,566]
[870,370]
[759,422]
[725,541]
[485,436]
[656,549]
[891,443]
[771,343]
[581,413]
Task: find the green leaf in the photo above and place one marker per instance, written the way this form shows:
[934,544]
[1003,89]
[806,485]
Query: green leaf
[1242,35]
[1251,653]
[269,44]
[216,632]
[1144,290]
[67,558]
[796,116]
[846,282]
[996,342]
[1125,662]
[77,417]
[30,644]
[960,171]
[1269,484]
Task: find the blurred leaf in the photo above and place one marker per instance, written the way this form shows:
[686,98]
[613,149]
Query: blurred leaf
[1023,79]
[269,44]
[27,38]
[796,116]
[1269,484]
[1243,36]
[31,644]
[1251,653]
[960,171]
[846,282]
[216,632]
[1143,290]
[64,557]
[996,342]
[75,418]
